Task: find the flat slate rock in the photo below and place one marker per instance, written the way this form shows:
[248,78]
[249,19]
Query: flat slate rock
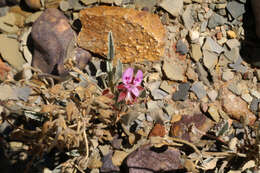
[212,45]
[198,89]
[181,47]
[236,9]
[148,159]
[216,20]
[187,17]
[182,93]
[173,7]
[138,35]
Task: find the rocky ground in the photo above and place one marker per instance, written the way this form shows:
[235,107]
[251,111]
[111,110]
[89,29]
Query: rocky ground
[198,110]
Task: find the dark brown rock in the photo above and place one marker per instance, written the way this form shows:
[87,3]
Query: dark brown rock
[147,159]
[191,128]
[54,40]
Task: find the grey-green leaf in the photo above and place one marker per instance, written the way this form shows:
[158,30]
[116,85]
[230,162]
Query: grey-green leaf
[111,48]
[118,72]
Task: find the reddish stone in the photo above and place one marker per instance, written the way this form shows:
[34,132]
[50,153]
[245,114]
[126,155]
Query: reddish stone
[236,107]
[53,40]
[158,130]
[138,35]
[147,159]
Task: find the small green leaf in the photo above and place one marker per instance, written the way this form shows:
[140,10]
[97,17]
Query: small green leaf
[118,71]
[111,48]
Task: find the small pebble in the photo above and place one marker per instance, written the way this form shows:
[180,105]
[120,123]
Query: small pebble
[194,36]
[199,90]
[254,105]
[182,93]
[181,47]
[213,94]
[227,75]
[231,34]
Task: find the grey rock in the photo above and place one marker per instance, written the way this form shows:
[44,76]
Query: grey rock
[3,11]
[222,12]
[151,105]
[173,71]
[232,55]
[234,89]
[158,94]
[184,33]
[169,109]
[108,165]
[237,66]
[212,45]
[212,6]
[236,9]
[232,43]
[209,14]
[223,61]
[166,87]
[173,7]
[196,53]
[203,26]
[210,59]
[182,93]
[254,105]
[181,47]
[227,75]
[200,17]
[172,29]
[203,75]
[198,89]
[23,93]
[154,85]
[187,17]
[216,20]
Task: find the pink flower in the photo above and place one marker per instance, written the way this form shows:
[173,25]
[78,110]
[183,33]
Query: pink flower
[131,85]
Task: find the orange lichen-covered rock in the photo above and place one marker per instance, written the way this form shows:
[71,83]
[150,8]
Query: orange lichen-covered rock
[138,35]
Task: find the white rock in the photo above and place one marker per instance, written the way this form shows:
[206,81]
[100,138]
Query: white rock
[213,94]
[247,97]
[255,93]
[194,36]
[227,75]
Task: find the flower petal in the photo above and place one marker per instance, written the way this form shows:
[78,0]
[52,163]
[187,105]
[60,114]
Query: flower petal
[121,96]
[128,76]
[135,91]
[138,78]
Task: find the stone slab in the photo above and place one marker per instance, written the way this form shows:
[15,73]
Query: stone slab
[138,35]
